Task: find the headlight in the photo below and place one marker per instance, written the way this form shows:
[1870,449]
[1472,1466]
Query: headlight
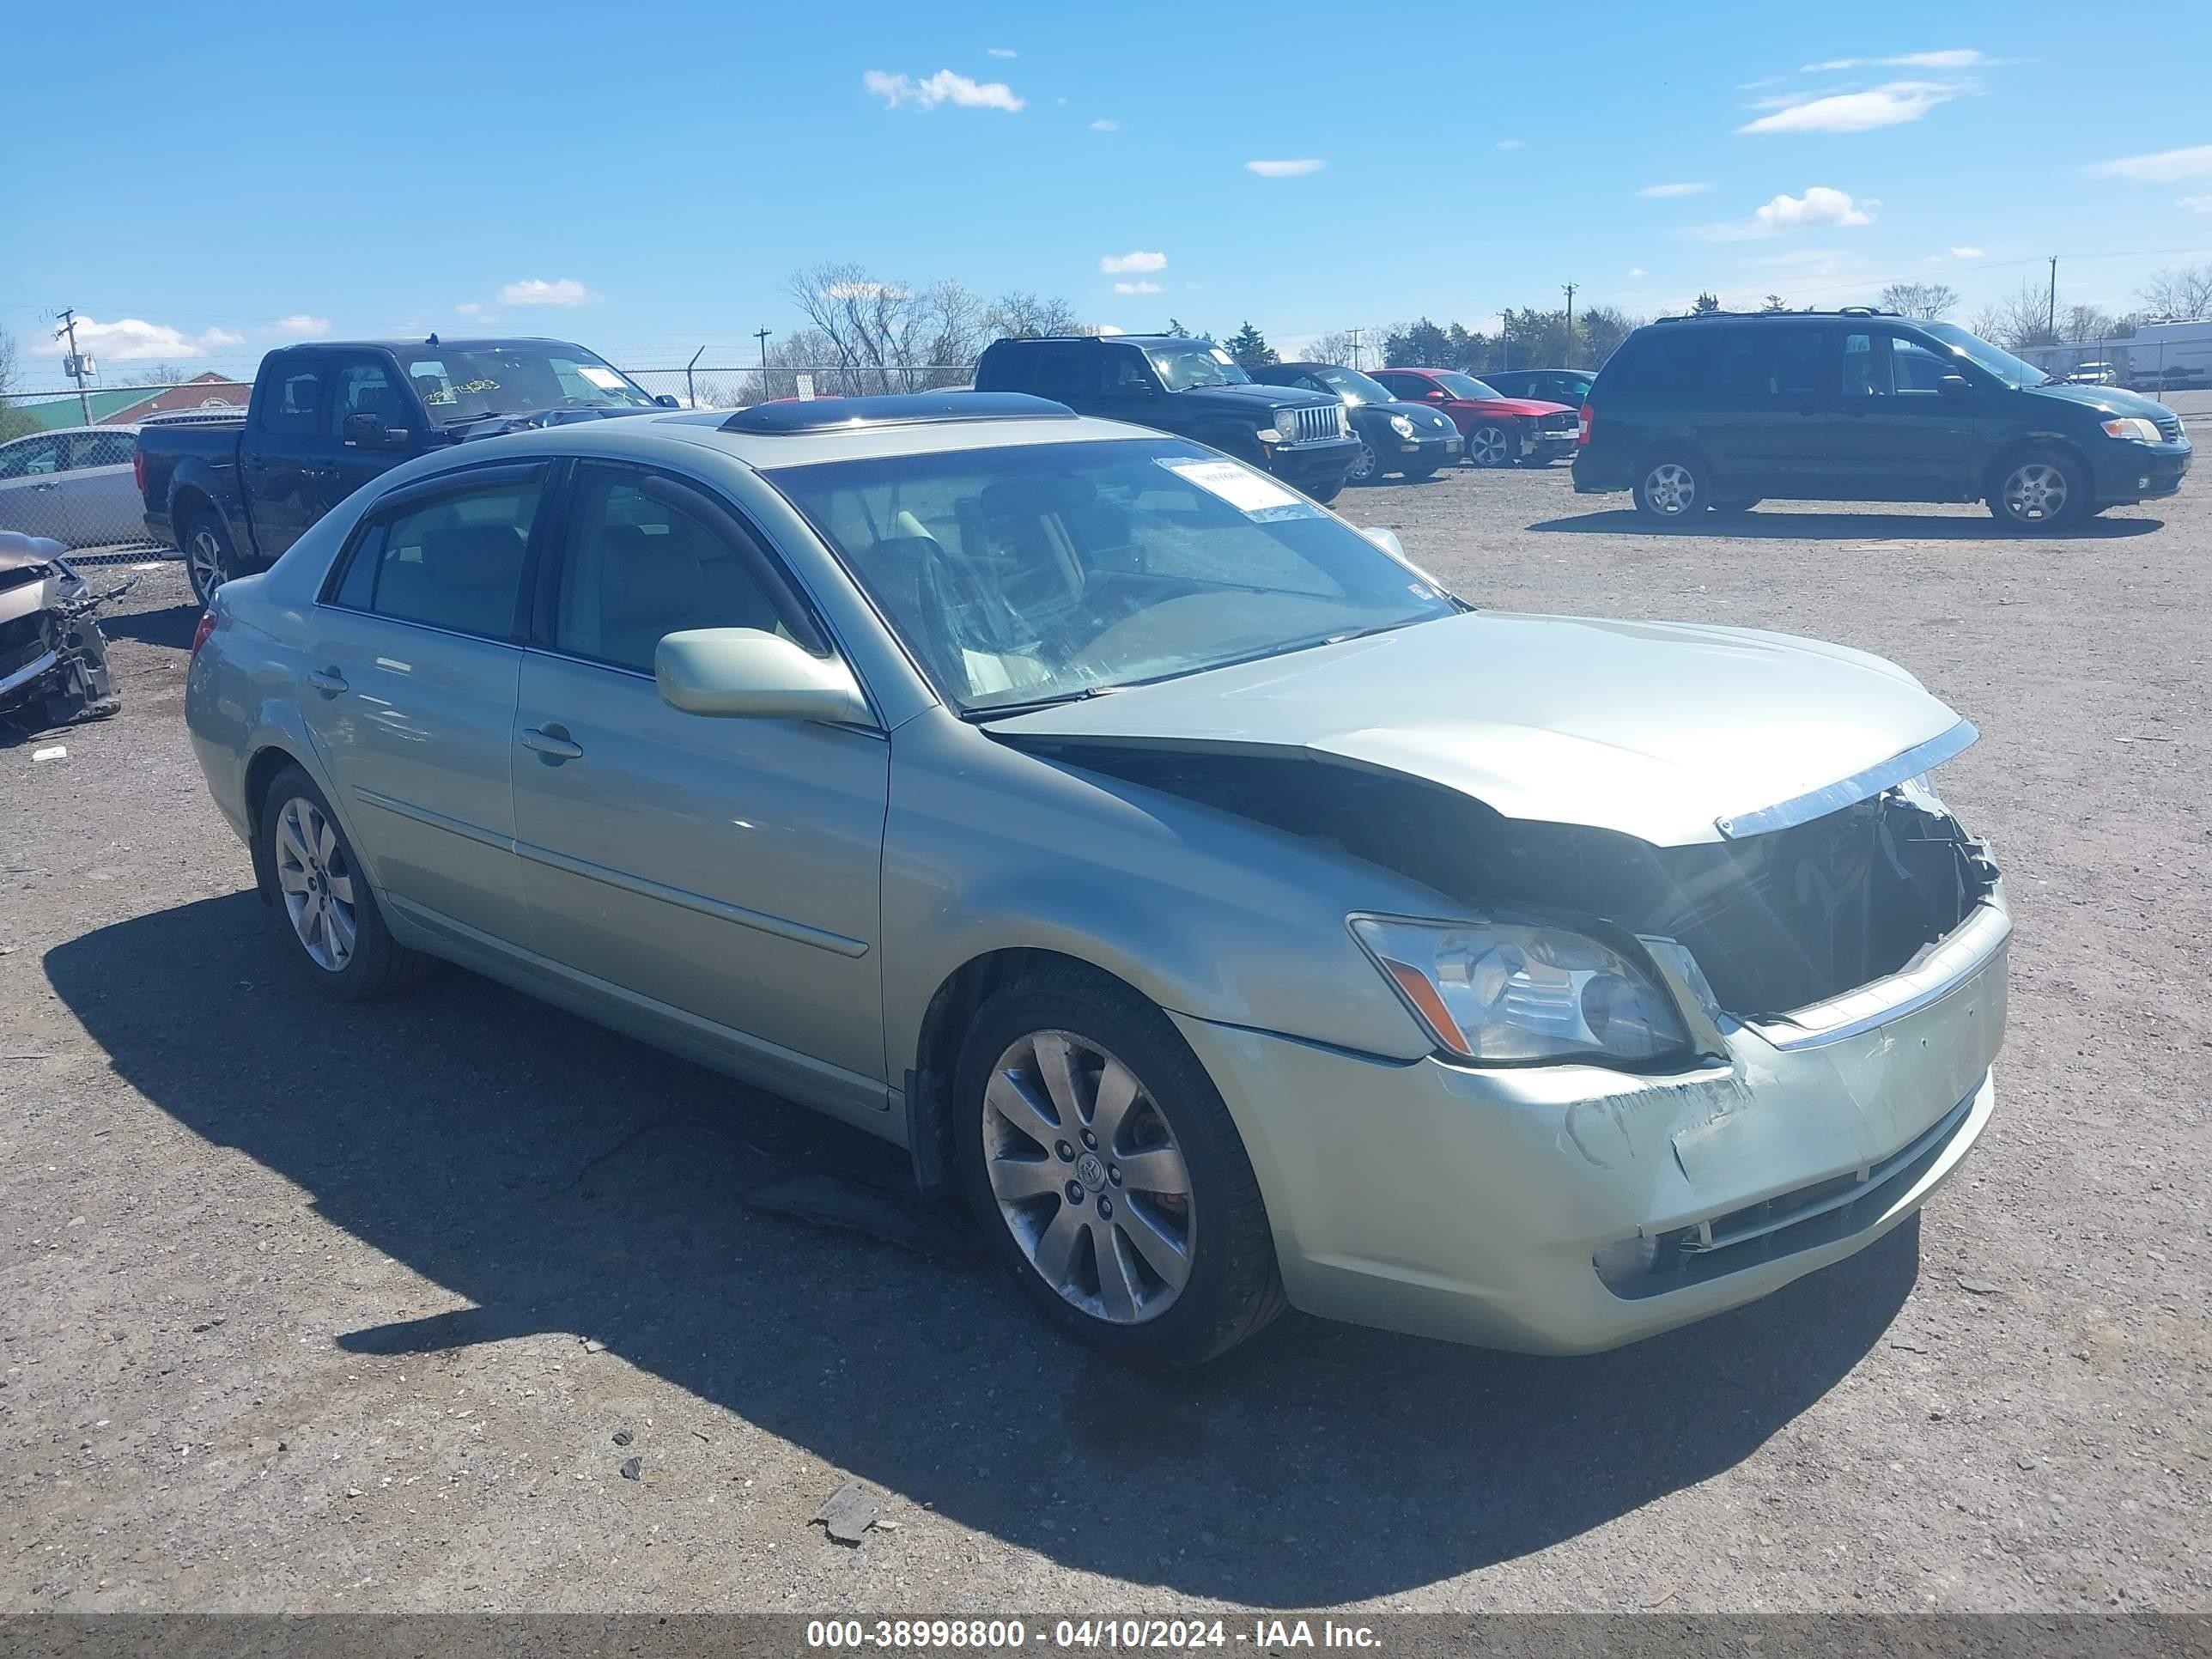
[1343,421]
[1401,426]
[2134,427]
[1510,991]
[1267,435]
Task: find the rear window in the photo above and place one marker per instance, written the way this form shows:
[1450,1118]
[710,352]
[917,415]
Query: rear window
[1653,361]
[1006,367]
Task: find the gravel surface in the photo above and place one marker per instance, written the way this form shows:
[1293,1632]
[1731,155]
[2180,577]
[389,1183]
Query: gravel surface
[453,1301]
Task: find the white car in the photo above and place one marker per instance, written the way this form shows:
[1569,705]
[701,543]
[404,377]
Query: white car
[75,486]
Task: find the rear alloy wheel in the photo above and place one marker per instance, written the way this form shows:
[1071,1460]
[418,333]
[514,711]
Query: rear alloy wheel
[1671,488]
[326,901]
[1491,445]
[2040,491]
[1366,466]
[208,561]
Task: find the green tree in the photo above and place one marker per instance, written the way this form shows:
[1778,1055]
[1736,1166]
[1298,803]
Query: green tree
[1175,327]
[1603,328]
[1417,345]
[1706,305]
[14,423]
[1775,302]
[1251,349]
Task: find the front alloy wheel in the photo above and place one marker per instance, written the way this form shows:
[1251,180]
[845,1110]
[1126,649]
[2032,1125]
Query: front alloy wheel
[1365,468]
[1490,446]
[1088,1177]
[2037,494]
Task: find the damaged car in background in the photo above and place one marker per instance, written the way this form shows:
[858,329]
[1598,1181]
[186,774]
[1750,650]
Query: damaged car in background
[1237,916]
[54,658]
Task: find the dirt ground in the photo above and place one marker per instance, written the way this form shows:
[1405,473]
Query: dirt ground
[312,1307]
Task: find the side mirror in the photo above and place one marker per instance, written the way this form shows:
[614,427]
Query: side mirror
[1954,385]
[743,673]
[363,430]
[1437,394]
[669,400]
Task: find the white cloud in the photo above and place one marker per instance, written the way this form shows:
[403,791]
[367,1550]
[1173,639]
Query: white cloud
[1960,57]
[1967,253]
[1636,270]
[301,326]
[1819,205]
[2195,203]
[1001,52]
[1672,190]
[1285,169]
[865,291]
[537,291]
[1889,105]
[942,88]
[1138,287]
[1102,125]
[1510,144]
[133,339]
[2162,168]
[1137,259]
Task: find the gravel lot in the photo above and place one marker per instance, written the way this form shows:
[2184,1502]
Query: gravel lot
[311,1308]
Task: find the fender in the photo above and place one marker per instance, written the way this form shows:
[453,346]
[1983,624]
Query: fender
[220,486]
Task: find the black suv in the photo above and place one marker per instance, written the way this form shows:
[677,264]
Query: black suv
[1192,388]
[1408,439]
[1722,410]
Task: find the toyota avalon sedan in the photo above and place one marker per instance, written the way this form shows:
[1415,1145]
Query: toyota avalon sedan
[1237,917]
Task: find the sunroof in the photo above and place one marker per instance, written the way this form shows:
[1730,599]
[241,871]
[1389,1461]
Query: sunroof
[791,416]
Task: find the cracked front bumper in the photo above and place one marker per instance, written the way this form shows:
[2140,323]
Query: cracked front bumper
[1468,1203]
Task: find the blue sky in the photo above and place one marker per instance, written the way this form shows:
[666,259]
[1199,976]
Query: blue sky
[645,178]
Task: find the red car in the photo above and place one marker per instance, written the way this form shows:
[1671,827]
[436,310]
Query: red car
[1500,431]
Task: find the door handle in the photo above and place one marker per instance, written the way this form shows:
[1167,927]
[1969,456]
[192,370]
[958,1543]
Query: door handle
[328,681]
[551,743]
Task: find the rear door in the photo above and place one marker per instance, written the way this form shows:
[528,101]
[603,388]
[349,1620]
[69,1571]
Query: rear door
[283,452]
[723,876]
[31,488]
[414,659]
[1765,425]
[100,494]
[1896,436]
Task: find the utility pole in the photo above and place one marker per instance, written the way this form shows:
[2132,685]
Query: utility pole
[762,334]
[1568,288]
[75,363]
[2051,323]
[1355,334]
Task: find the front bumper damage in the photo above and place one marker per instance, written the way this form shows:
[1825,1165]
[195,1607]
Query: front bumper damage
[54,658]
[1477,1204]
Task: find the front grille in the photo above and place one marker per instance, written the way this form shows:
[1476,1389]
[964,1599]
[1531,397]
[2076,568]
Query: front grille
[1312,425]
[1793,1221]
[2169,428]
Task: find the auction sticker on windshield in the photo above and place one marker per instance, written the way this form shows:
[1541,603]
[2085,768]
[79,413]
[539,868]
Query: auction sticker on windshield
[1254,494]
[605,379]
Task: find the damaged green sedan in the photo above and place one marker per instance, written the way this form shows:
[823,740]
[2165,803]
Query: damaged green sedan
[1237,918]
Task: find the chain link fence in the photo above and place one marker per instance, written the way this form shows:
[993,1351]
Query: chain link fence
[65,468]
[725,385]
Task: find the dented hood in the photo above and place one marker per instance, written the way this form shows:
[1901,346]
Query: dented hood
[1672,732]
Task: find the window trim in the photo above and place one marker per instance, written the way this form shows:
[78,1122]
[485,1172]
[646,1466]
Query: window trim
[461,481]
[780,586]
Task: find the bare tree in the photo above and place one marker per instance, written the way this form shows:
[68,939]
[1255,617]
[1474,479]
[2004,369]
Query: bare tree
[882,335]
[14,423]
[1988,322]
[2182,295]
[2024,319]
[1337,346]
[2082,324]
[1926,300]
[1018,316]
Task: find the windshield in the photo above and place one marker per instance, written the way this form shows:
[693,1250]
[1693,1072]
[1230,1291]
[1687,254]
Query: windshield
[1463,385]
[1184,367]
[2002,364]
[466,385]
[1041,572]
[1354,386]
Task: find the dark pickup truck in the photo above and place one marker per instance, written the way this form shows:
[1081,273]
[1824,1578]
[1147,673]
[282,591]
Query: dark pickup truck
[1192,388]
[326,418]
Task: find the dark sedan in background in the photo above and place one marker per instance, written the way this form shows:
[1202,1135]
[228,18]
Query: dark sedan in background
[1407,439]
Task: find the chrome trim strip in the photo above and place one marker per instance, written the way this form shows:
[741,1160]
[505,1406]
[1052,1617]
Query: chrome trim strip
[797,932]
[1969,948]
[461,827]
[1829,798]
[24,675]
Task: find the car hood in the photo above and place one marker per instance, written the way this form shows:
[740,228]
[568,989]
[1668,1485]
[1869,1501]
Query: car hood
[2109,399]
[1673,732]
[1258,397]
[1426,418]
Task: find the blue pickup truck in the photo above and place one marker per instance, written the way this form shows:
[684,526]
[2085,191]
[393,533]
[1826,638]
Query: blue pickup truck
[326,418]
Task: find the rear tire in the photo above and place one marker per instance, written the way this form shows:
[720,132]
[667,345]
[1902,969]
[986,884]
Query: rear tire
[1040,1181]
[2038,491]
[338,934]
[209,559]
[1366,466]
[1672,487]
[1491,445]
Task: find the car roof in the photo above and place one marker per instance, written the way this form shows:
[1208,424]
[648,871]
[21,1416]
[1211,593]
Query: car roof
[1100,339]
[499,343]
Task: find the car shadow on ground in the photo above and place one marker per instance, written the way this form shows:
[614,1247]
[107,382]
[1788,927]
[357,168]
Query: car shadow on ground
[559,1178]
[1784,527]
[171,626]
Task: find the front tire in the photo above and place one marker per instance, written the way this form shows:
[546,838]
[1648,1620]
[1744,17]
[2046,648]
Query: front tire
[1671,488]
[1491,445]
[1104,1169]
[1325,494]
[338,933]
[209,559]
[1366,466]
[2038,491]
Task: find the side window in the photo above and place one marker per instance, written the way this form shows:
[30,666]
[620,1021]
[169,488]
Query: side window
[1069,371]
[454,561]
[365,386]
[644,557]
[1007,368]
[1866,367]
[32,460]
[1764,367]
[1125,374]
[1403,385]
[1916,369]
[96,449]
[292,400]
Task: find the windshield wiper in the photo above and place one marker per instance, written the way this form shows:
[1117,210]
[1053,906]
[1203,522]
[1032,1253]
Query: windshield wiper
[999,711]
